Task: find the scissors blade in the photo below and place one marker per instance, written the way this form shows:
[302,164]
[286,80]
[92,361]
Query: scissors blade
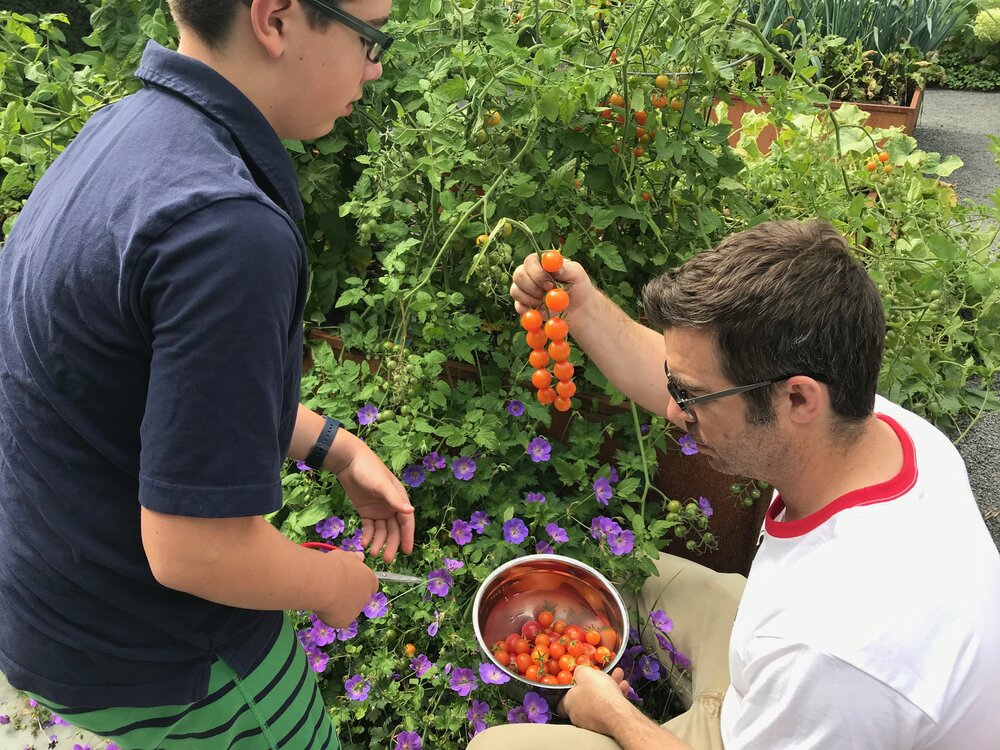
[384,575]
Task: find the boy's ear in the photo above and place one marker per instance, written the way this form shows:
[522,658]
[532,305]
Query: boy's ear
[268,19]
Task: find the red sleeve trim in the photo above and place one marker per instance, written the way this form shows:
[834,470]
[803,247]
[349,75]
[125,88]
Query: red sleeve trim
[899,485]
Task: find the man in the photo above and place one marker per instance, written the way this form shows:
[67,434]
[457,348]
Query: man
[151,298]
[870,614]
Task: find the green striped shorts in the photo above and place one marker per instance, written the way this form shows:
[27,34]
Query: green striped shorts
[277,705]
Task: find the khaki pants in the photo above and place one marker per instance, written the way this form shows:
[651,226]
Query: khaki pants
[702,605]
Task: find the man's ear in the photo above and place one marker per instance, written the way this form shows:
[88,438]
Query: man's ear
[267,19]
[805,399]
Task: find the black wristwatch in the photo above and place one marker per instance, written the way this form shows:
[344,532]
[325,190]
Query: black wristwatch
[317,455]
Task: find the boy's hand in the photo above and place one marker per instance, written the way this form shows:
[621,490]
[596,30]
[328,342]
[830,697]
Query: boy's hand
[531,281]
[356,584]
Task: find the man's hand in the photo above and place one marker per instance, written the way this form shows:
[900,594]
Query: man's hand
[597,700]
[531,281]
[386,514]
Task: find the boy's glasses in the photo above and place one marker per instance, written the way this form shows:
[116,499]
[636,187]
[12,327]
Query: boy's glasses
[685,400]
[375,40]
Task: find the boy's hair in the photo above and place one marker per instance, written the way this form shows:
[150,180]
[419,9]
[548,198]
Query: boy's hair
[781,298]
[212,20]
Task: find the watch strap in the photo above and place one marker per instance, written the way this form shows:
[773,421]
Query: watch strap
[317,455]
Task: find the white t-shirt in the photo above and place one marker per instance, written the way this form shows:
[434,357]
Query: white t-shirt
[874,623]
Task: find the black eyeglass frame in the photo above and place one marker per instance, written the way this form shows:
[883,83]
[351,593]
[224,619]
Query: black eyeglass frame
[376,40]
[685,401]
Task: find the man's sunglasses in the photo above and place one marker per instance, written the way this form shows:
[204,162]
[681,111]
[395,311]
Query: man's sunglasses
[375,40]
[685,400]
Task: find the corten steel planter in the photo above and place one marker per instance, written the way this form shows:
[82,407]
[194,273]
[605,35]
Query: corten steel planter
[678,477]
[879,116]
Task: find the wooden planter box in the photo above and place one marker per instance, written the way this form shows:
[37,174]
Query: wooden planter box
[679,477]
[879,116]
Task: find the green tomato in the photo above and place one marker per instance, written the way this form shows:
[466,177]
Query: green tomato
[674,506]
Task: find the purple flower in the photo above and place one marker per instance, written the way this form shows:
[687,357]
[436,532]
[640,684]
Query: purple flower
[4,719]
[706,507]
[321,633]
[78,746]
[330,528]
[539,450]
[357,688]
[302,466]
[434,461]
[463,468]
[679,659]
[377,607]
[517,715]
[515,408]
[601,527]
[353,543]
[318,661]
[632,695]
[621,543]
[557,533]
[461,532]
[536,709]
[477,715]
[492,674]
[413,476]
[602,490]
[688,446]
[345,634]
[534,497]
[439,582]
[432,629]
[367,414]
[463,681]
[58,721]
[664,642]
[514,531]
[479,521]
[544,548]
[644,429]
[451,564]
[613,475]
[420,664]
[408,741]
[650,667]
[660,620]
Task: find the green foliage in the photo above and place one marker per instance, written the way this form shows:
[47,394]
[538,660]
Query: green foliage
[986,25]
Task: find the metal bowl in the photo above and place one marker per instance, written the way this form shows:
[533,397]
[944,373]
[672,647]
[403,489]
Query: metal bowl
[518,590]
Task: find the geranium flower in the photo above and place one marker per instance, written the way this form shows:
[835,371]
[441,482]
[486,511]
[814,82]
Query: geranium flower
[432,629]
[613,475]
[439,582]
[408,741]
[621,543]
[477,715]
[321,633]
[515,408]
[543,548]
[318,660]
[357,688]
[434,461]
[660,620]
[378,606]
[420,664]
[602,526]
[539,450]
[479,521]
[534,497]
[536,709]
[353,543]
[302,466]
[367,414]
[602,490]
[688,445]
[464,468]
[650,667]
[413,476]
[557,533]
[491,674]
[514,531]
[461,532]
[517,715]
[330,528]
[451,564]
[345,634]
[463,681]
[706,507]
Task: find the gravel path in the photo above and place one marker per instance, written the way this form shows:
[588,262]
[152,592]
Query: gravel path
[957,122]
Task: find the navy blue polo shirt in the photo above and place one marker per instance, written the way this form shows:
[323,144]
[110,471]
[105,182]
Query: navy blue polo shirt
[151,298]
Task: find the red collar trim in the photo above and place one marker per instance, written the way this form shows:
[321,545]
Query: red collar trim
[878,493]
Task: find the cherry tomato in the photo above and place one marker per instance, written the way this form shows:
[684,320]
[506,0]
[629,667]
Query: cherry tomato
[883,157]
[574,633]
[481,239]
[521,646]
[563,371]
[567,662]
[546,618]
[676,104]
[559,351]
[662,82]
[566,388]
[556,650]
[564,677]
[557,299]
[646,195]
[539,358]
[617,100]
[552,260]
[640,117]
[871,166]
[502,658]
[410,649]
[536,339]
[532,673]
[523,662]
[609,638]
[552,666]
[491,119]
[541,378]
[556,328]
[638,151]
[531,320]
[584,661]
[510,640]
[543,640]
[562,403]
[546,395]
[530,629]
[602,656]
[559,626]
[549,679]
[575,649]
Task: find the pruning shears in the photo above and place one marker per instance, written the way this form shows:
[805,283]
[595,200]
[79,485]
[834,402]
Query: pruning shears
[383,575]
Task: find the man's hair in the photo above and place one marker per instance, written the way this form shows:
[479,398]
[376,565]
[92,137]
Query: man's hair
[212,20]
[781,298]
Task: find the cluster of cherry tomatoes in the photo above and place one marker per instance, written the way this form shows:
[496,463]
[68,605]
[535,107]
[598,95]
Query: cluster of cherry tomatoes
[552,332]
[879,160]
[548,651]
